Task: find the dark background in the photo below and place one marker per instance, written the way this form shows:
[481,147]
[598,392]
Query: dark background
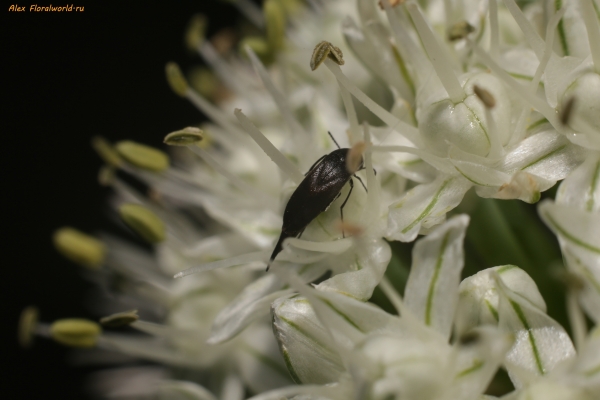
[68,77]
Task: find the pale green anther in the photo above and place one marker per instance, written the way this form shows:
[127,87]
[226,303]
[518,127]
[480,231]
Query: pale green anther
[258,45]
[204,81]
[106,175]
[275,24]
[176,79]
[78,247]
[143,221]
[143,156]
[27,323]
[460,30]
[120,319]
[324,50]
[185,137]
[75,332]
[106,151]
[196,31]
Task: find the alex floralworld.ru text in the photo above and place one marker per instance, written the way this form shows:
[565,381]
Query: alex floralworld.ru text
[37,8]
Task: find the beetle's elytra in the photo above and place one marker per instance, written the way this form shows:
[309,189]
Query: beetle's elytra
[321,186]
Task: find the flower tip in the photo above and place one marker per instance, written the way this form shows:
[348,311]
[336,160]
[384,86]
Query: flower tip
[325,50]
[143,221]
[81,333]
[27,324]
[78,247]
[392,3]
[176,80]
[184,137]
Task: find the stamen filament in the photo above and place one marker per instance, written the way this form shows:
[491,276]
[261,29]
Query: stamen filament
[228,262]
[410,132]
[437,54]
[494,29]
[593,30]
[533,39]
[278,158]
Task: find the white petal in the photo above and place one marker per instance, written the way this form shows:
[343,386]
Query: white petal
[540,342]
[182,390]
[581,189]
[432,289]
[423,205]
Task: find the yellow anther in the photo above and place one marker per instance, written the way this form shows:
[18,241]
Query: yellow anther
[106,151]
[143,156]
[204,81]
[120,319]
[185,137]
[143,221]
[196,31]
[176,79]
[354,159]
[27,323]
[75,332]
[78,247]
[324,50]
[275,24]
[486,97]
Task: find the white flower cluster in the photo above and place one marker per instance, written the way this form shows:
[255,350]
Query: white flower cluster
[439,96]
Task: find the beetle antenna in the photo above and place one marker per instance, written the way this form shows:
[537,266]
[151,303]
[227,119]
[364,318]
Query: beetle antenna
[332,138]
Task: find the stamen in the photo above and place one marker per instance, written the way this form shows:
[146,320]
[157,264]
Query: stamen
[196,31]
[567,111]
[289,169]
[184,137]
[325,50]
[143,156]
[460,30]
[529,97]
[176,79]
[106,151]
[275,24]
[27,326]
[237,182]
[372,208]
[533,39]
[406,130]
[143,221]
[405,43]
[119,320]
[354,159]
[279,99]
[250,11]
[80,248]
[593,30]
[494,30]
[437,54]
[74,332]
[229,262]
[490,102]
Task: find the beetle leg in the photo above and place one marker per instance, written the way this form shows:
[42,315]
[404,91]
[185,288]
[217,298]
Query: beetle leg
[300,234]
[315,164]
[374,170]
[344,203]
[361,182]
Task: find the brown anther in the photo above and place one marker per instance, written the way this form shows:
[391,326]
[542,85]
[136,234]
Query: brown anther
[349,229]
[486,97]
[354,159]
[325,50]
[224,40]
[567,111]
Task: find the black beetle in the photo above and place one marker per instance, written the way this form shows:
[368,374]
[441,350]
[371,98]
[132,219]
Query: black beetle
[321,186]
